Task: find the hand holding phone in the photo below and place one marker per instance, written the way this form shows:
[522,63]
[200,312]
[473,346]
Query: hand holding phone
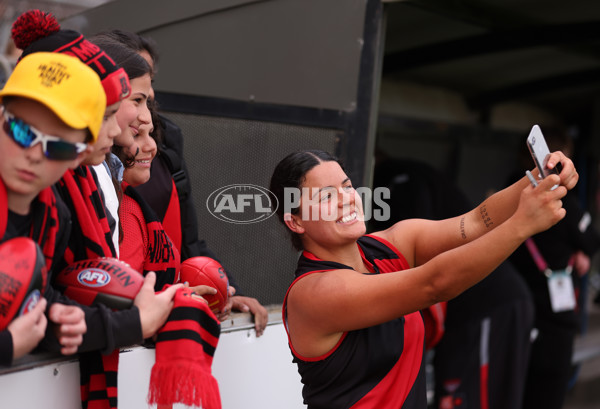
[540,152]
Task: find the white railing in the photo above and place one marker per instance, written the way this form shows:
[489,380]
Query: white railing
[252,373]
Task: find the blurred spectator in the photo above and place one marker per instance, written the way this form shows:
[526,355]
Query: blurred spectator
[565,250]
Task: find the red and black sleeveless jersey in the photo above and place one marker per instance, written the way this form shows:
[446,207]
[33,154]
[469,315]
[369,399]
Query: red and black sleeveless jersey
[377,367]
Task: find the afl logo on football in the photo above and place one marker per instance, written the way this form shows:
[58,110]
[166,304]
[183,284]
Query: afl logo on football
[92,277]
[242,204]
[30,302]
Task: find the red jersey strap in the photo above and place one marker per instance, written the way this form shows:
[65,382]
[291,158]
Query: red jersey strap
[434,316]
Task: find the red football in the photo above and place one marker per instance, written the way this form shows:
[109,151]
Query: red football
[103,280]
[207,271]
[23,277]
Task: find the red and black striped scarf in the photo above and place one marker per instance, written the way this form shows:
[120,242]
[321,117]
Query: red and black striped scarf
[172,219]
[90,238]
[98,379]
[162,257]
[185,349]
[44,224]
[90,234]
[186,344]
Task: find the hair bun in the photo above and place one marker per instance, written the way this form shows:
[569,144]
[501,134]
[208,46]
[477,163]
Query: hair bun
[32,26]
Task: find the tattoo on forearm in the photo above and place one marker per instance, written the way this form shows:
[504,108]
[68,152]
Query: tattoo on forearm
[485,217]
[462,228]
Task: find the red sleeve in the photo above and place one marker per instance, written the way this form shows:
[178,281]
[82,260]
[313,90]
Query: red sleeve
[135,234]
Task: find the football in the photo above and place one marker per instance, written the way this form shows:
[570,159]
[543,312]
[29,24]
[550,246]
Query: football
[105,280]
[207,271]
[23,277]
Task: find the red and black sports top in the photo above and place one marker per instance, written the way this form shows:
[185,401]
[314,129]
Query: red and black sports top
[377,367]
[146,246]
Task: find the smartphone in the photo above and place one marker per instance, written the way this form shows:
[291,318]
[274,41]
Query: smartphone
[540,152]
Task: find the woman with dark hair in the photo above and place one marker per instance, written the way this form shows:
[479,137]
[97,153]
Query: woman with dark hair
[144,46]
[171,197]
[352,313]
[132,155]
[145,244]
[134,111]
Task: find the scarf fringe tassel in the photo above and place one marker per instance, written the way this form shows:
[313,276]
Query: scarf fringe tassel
[183,382]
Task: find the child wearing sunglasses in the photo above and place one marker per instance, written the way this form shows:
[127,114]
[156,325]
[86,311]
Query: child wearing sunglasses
[26,135]
[91,235]
[47,122]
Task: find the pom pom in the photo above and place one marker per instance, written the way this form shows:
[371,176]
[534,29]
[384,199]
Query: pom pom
[32,26]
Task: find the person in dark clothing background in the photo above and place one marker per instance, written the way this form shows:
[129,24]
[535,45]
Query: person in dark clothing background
[481,359]
[566,248]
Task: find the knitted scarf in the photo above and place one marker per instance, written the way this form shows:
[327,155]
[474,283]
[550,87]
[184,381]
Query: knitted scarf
[98,379]
[185,348]
[44,225]
[186,344]
[90,233]
[90,238]
[162,256]
[172,219]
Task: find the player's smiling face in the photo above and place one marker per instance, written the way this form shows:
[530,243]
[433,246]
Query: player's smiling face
[330,208]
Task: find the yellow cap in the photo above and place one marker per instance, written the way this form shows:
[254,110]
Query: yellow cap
[64,84]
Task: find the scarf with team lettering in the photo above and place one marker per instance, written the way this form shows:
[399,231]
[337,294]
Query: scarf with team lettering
[163,256]
[185,347]
[90,238]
